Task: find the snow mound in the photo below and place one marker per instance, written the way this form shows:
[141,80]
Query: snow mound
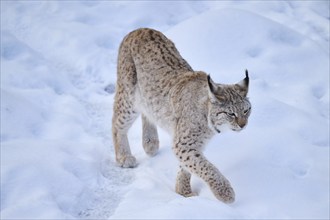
[58,65]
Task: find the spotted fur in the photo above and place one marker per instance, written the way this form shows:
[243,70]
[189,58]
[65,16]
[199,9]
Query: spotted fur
[155,81]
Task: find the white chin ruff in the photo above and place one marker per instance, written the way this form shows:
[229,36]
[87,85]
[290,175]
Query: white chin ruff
[224,128]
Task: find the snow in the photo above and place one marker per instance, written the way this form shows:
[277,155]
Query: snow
[58,71]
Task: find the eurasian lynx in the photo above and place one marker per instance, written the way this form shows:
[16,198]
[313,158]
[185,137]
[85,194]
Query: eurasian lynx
[155,81]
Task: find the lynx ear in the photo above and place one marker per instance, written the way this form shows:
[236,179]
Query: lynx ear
[215,90]
[243,86]
[212,85]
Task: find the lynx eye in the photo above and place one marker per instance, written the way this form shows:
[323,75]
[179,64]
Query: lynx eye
[232,115]
[247,111]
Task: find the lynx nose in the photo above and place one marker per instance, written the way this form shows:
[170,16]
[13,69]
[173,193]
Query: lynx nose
[241,122]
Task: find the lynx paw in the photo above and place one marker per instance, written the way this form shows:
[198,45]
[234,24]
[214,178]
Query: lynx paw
[151,146]
[184,189]
[225,194]
[128,162]
[191,194]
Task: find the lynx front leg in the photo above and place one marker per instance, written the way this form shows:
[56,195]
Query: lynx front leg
[218,184]
[183,186]
[194,161]
[150,139]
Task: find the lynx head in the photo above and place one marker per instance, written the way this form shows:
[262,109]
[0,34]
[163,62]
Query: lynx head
[228,105]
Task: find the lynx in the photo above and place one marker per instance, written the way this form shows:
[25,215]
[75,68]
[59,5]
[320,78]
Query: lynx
[155,81]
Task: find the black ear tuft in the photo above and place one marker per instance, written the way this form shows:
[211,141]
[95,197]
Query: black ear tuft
[247,79]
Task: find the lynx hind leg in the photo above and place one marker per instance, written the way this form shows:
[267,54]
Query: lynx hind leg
[124,113]
[150,141]
[182,185]
[121,122]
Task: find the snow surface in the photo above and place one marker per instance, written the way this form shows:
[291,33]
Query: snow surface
[58,71]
